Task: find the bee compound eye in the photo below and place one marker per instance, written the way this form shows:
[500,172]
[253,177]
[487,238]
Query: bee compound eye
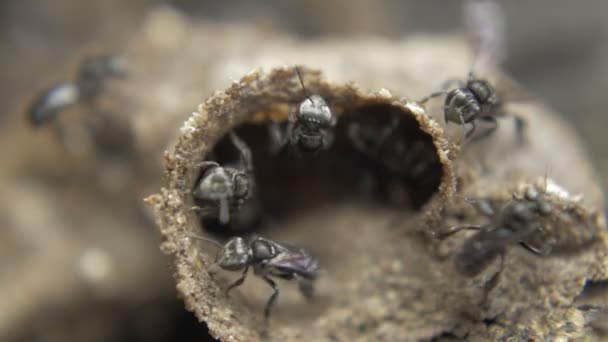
[315,107]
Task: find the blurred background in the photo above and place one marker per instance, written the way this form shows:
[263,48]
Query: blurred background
[558,49]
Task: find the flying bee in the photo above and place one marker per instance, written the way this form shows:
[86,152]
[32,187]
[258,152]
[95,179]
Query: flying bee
[90,79]
[94,70]
[476,100]
[515,223]
[309,129]
[269,260]
[227,187]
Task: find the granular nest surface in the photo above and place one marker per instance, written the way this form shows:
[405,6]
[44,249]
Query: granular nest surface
[385,275]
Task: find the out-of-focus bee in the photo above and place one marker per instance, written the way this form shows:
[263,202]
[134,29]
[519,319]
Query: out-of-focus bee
[269,260]
[309,129]
[52,101]
[476,100]
[88,85]
[398,156]
[515,223]
[94,70]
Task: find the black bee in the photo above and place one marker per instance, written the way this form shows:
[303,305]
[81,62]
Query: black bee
[513,224]
[88,85]
[52,101]
[269,260]
[309,129]
[228,188]
[476,99]
[94,70]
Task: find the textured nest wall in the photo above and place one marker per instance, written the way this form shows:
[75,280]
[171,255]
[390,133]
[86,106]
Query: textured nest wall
[314,216]
[385,275]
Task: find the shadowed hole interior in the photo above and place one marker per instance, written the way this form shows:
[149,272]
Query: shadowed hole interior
[393,163]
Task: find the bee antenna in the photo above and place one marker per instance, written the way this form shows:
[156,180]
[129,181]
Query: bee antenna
[545,178]
[471,74]
[202,238]
[302,83]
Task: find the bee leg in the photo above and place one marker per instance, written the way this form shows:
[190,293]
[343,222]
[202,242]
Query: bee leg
[425,99]
[272,298]
[206,165]
[494,124]
[278,137]
[203,211]
[244,150]
[455,229]
[237,282]
[494,280]
[466,134]
[542,251]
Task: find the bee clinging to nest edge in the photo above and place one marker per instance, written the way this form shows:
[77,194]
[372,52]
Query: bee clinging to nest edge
[534,218]
[90,81]
[309,129]
[513,224]
[476,99]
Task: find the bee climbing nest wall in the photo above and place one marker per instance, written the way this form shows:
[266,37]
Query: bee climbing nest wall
[372,225]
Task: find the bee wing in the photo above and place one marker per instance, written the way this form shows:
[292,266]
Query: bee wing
[486,30]
[297,260]
[513,91]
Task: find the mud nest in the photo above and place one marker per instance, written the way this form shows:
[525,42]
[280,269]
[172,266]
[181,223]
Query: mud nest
[373,222]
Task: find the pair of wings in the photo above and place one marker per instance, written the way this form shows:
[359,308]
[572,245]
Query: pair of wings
[485,26]
[294,260]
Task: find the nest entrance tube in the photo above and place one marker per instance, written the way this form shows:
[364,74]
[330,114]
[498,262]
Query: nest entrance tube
[388,160]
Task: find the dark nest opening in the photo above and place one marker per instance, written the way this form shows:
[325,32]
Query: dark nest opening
[354,206]
[392,163]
